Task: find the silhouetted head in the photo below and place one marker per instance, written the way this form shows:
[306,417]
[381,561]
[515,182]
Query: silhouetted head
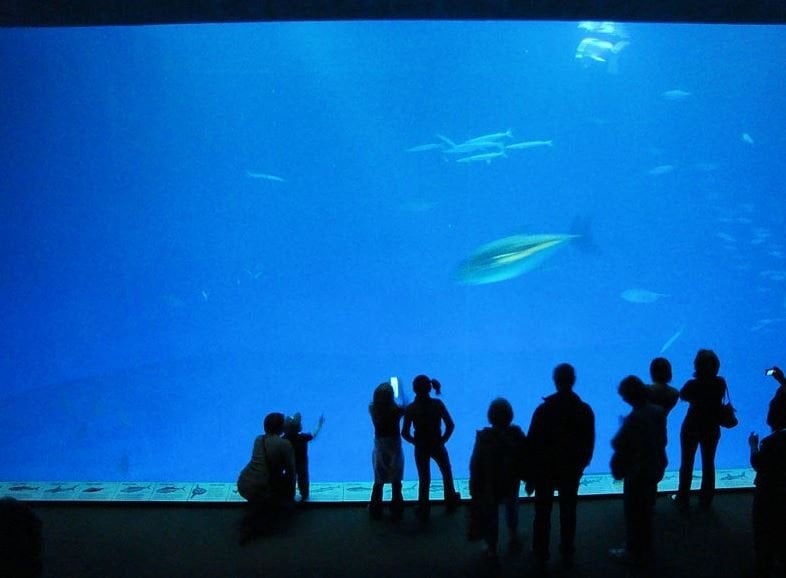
[500,413]
[20,540]
[274,423]
[660,370]
[706,364]
[293,425]
[564,377]
[423,384]
[384,393]
[633,390]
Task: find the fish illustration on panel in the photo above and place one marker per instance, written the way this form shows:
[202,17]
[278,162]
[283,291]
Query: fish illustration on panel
[58,489]
[169,490]
[133,489]
[197,491]
[22,488]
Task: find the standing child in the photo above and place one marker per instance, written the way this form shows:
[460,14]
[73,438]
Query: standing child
[293,429]
[427,415]
[660,392]
[498,464]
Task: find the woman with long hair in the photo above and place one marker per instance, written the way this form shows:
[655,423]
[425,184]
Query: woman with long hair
[387,457]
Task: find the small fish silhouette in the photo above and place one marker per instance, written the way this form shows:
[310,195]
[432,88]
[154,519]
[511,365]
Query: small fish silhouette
[739,476]
[58,489]
[169,490]
[22,488]
[133,489]
[198,491]
[92,490]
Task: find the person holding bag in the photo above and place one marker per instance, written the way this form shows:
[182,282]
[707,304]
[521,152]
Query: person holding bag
[701,428]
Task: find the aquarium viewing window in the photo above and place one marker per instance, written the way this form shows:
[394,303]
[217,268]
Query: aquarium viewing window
[201,224]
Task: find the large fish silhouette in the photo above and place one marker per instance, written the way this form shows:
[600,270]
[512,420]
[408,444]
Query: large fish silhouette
[509,257]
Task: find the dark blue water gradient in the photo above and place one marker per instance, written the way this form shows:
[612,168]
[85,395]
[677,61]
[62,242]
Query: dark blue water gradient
[157,301]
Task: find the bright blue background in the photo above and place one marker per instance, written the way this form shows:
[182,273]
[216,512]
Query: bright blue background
[156,302]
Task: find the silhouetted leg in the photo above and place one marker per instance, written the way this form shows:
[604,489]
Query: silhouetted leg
[491,530]
[631,496]
[375,505]
[512,513]
[511,504]
[639,501]
[709,446]
[649,536]
[422,462]
[688,444]
[302,480]
[541,525]
[761,542]
[261,518]
[568,498]
[397,500]
[440,456]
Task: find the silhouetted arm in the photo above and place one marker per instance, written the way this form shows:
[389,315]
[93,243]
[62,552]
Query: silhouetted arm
[535,436]
[777,375]
[589,446]
[622,446]
[776,414]
[449,425]
[289,470]
[672,400]
[753,442]
[406,428]
[688,391]
[320,423]
[402,401]
[475,477]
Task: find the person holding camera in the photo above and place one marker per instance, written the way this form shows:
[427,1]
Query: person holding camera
[777,412]
[768,458]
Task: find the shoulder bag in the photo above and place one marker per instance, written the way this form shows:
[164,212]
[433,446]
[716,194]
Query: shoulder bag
[728,415]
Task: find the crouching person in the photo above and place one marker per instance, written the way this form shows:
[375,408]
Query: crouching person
[497,466]
[268,481]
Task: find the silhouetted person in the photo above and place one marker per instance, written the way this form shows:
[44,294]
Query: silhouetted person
[769,497]
[268,481]
[660,392]
[561,441]
[387,457]
[701,428]
[20,540]
[293,433]
[427,415]
[640,460]
[777,410]
[498,463]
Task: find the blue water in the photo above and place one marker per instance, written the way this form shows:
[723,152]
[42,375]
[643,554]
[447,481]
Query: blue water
[157,301]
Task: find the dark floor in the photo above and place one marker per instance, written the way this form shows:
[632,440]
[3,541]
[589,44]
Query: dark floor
[323,541]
